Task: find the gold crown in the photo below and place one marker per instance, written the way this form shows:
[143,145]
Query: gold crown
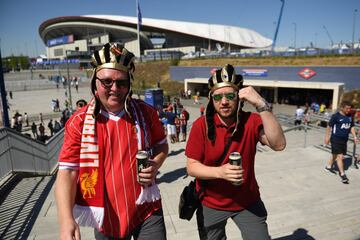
[115,56]
[225,77]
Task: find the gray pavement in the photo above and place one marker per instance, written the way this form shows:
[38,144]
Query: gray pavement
[303,201]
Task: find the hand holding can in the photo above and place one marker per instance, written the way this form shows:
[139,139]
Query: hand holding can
[235,159]
[142,162]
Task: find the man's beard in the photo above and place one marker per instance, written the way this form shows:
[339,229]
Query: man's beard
[231,116]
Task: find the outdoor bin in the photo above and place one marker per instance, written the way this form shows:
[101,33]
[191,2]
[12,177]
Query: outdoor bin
[154,97]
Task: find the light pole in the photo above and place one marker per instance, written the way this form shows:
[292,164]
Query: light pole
[209,46]
[353,31]
[294,36]
[3,101]
[68,79]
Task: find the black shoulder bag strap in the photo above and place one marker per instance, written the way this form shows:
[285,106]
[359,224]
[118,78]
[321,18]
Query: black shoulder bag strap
[217,163]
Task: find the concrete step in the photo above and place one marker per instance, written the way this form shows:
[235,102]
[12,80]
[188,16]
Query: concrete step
[21,206]
[343,226]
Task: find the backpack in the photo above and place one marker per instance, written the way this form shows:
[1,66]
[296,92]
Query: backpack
[187,115]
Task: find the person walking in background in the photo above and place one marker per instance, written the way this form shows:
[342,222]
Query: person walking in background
[337,133]
[171,128]
[19,123]
[57,105]
[13,123]
[80,103]
[41,119]
[34,130]
[26,119]
[299,115]
[57,126]
[184,117]
[98,184]
[306,115]
[196,99]
[41,130]
[202,110]
[77,84]
[189,93]
[322,108]
[177,126]
[231,191]
[51,127]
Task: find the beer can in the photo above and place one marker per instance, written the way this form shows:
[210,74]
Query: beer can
[142,158]
[235,158]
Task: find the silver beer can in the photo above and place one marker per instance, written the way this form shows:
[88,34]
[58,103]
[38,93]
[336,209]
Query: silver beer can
[235,158]
[142,158]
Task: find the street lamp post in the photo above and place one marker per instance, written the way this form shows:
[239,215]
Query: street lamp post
[68,80]
[353,31]
[209,46]
[294,36]
[5,114]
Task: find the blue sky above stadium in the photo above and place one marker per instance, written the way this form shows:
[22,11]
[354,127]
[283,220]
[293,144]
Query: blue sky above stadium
[20,19]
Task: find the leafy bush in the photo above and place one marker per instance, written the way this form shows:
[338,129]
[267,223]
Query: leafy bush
[174,62]
[353,97]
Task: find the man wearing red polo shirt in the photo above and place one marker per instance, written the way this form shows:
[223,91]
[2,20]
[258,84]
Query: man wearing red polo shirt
[99,183]
[231,191]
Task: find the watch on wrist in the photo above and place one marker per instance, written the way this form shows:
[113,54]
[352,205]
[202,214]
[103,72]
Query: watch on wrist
[266,107]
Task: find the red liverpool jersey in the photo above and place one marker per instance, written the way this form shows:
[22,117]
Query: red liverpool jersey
[118,146]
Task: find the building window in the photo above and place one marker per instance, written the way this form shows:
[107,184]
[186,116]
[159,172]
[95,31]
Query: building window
[58,52]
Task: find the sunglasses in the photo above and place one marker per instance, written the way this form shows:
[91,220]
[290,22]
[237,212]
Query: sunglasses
[108,83]
[229,96]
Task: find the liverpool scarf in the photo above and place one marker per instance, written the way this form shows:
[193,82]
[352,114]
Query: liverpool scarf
[89,203]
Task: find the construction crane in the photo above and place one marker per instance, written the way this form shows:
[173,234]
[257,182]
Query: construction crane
[278,25]
[327,32]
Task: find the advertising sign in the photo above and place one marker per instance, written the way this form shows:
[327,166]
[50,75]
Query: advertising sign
[307,73]
[60,40]
[255,72]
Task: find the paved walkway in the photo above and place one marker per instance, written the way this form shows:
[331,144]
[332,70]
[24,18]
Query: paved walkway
[303,201]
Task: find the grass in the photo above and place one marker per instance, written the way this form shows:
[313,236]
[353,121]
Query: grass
[278,61]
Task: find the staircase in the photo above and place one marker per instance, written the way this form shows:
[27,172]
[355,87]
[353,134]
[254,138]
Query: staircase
[21,205]
[26,177]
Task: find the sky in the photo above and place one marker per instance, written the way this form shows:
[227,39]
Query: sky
[20,19]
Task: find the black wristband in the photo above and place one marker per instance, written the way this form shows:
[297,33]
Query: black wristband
[266,107]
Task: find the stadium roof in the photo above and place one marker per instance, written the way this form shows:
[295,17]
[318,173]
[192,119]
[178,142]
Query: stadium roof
[123,27]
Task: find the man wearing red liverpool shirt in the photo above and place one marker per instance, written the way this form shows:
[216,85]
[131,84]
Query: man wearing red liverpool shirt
[98,183]
[231,191]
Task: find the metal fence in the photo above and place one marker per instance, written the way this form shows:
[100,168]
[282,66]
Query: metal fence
[318,119]
[22,154]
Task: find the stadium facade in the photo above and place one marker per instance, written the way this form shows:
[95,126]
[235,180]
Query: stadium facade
[74,36]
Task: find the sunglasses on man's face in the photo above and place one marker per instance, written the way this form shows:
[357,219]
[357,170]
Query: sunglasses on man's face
[108,83]
[229,96]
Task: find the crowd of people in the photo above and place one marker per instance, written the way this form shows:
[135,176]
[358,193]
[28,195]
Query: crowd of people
[174,119]
[39,129]
[99,182]
[21,124]
[74,81]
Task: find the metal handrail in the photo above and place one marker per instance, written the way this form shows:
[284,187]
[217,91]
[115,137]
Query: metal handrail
[306,127]
[19,153]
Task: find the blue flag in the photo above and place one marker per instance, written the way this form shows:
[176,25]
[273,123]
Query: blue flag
[139,13]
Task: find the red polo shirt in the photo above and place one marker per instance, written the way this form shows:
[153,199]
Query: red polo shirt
[219,193]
